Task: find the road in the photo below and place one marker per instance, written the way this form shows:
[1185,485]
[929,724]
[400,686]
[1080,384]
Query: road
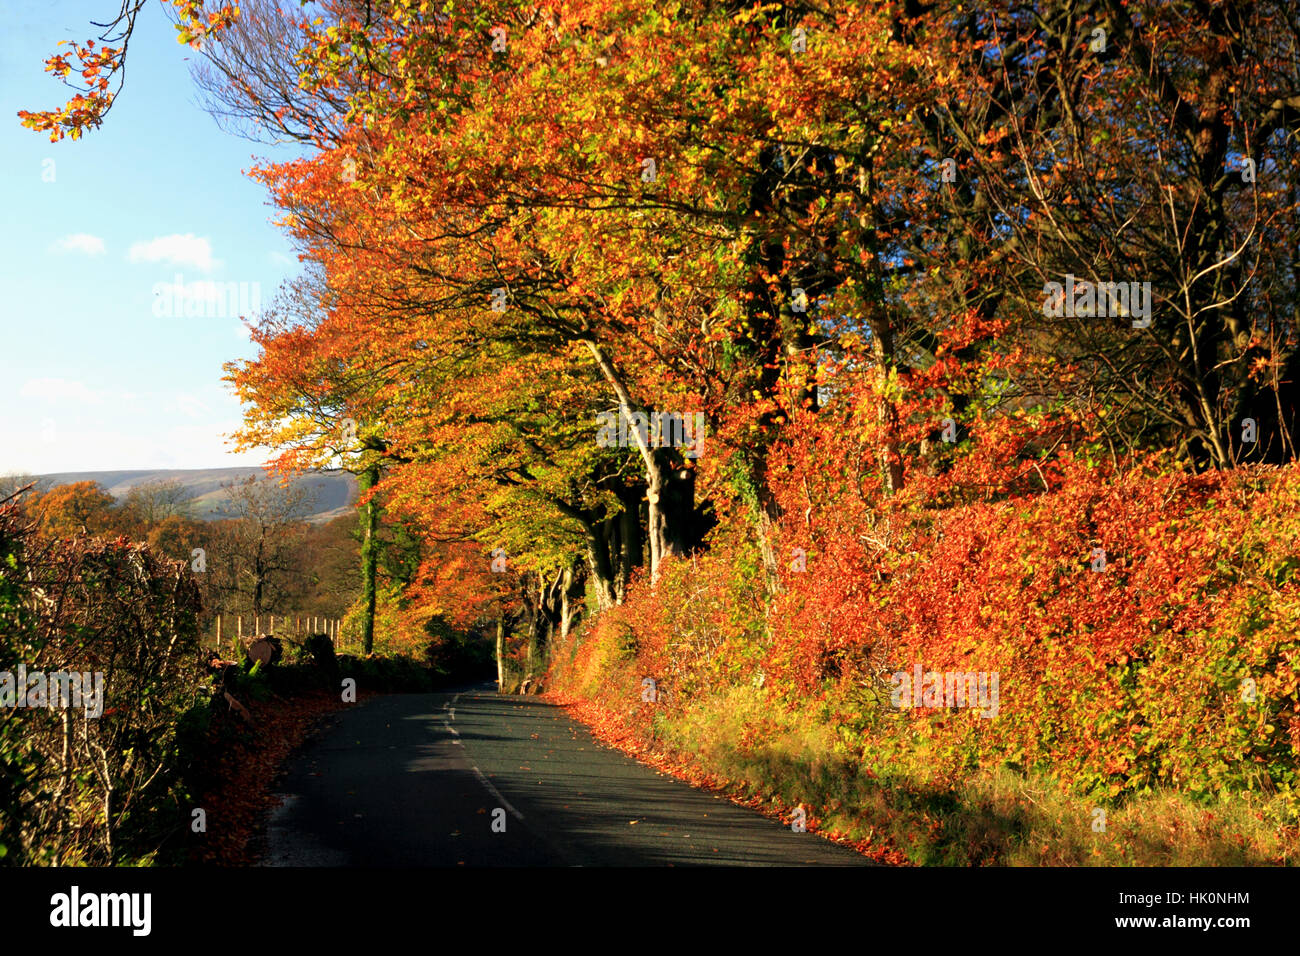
[434,779]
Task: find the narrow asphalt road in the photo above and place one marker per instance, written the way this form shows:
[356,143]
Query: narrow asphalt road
[432,779]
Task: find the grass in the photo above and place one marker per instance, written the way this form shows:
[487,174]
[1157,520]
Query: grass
[991,817]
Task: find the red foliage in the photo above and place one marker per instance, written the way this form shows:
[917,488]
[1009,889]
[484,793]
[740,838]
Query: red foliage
[246,765]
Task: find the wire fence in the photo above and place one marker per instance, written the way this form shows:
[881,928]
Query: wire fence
[227,631]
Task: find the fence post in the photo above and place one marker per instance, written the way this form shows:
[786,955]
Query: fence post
[272,630]
[218,633]
[240,619]
[257,625]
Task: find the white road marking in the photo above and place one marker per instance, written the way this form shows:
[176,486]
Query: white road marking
[479,773]
[495,792]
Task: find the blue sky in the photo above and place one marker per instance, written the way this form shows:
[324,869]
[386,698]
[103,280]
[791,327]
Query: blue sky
[96,375]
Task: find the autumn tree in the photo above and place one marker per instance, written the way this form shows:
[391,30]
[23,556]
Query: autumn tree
[516,221]
[1146,144]
[81,507]
[91,67]
[316,410]
[253,555]
[176,536]
[151,503]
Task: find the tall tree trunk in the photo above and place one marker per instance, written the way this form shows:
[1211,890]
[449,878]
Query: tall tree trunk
[369,557]
[602,573]
[564,604]
[571,589]
[664,489]
[259,577]
[534,612]
[603,549]
[547,616]
[501,652]
[629,541]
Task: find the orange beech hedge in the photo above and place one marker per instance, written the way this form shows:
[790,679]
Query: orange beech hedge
[1172,665]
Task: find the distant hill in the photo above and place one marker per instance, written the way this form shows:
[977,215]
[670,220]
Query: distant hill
[331,492]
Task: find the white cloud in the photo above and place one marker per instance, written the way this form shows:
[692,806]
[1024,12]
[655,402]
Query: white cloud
[58,390]
[279,258]
[186,250]
[80,242]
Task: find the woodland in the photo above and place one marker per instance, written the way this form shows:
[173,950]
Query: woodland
[889,256]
